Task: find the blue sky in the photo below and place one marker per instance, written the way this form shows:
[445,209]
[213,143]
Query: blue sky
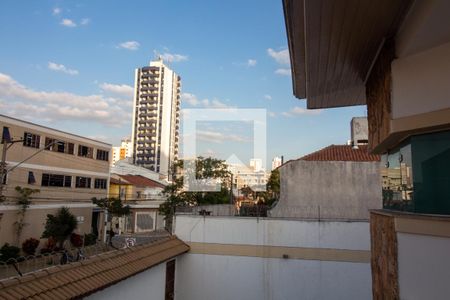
[70,65]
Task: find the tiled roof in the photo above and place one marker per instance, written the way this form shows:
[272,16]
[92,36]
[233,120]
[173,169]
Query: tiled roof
[117,181]
[141,181]
[79,279]
[342,153]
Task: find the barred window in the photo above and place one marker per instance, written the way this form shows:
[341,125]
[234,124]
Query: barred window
[102,155]
[31,140]
[56,180]
[100,183]
[85,151]
[83,182]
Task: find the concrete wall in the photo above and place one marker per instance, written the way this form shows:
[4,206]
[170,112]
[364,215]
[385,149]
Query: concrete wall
[149,285]
[206,272]
[423,266]
[35,218]
[328,190]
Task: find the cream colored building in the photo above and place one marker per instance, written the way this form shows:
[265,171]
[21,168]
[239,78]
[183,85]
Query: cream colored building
[67,169]
[156,117]
[123,151]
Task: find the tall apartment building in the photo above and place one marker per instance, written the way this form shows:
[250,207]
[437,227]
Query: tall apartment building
[156,117]
[67,169]
[123,151]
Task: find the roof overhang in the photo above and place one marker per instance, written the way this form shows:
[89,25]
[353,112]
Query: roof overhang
[334,43]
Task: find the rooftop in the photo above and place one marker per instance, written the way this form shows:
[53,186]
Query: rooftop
[342,153]
[80,279]
[140,181]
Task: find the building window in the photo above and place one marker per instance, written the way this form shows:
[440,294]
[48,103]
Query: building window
[100,183]
[31,140]
[102,155]
[83,182]
[85,151]
[58,146]
[31,179]
[56,180]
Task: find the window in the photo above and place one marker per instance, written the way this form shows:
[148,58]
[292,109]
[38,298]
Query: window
[85,151]
[4,178]
[100,183]
[56,180]
[31,179]
[58,146]
[31,140]
[83,182]
[102,155]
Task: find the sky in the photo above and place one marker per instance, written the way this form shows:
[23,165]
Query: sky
[70,65]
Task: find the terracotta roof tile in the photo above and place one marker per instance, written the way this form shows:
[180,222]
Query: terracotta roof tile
[141,181]
[342,153]
[80,279]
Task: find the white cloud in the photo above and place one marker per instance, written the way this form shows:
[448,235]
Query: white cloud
[16,100]
[56,11]
[219,137]
[267,97]
[68,23]
[85,21]
[118,89]
[169,57]
[281,57]
[272,114]
[61,68]
[283,72]
[251,62]
[192,100]
[299,111]
[129,45]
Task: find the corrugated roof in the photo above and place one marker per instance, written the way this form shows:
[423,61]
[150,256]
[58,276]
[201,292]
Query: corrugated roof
[141,181]
[79,279]
[342,153]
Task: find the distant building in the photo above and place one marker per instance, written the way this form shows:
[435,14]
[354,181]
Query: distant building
[67,169]
[256,164]
[276,162]
[123,151]
[156,117]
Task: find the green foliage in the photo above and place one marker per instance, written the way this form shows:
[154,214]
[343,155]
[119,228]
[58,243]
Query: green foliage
[24,200]
[90,239]
[272,192]
[114,206]
[30,245]
[8,252]
[60,226]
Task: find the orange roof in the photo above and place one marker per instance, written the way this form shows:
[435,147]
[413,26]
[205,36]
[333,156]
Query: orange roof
[79,279]
[342,153]
[141,181]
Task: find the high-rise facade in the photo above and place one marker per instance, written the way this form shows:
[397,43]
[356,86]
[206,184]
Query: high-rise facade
[156,117]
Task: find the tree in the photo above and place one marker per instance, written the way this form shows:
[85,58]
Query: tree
[246,191]
[24,201]
[114,207]
[272,192]
[178,197]
[60,226]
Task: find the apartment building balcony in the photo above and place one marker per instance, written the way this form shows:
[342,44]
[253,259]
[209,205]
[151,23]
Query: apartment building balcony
[148,114]
[147,127]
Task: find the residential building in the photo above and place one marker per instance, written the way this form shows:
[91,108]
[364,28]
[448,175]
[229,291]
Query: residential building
[156,117]
[395,58]
[67,169]
[125,150]
[276,162]
[256,164]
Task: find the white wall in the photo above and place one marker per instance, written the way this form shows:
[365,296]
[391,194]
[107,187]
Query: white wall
[149,285]
[421,82]
[204,276]
[418,257]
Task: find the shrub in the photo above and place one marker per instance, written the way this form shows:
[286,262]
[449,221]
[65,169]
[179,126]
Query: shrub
[76,240]
[50,246]
[90,239]
[30,245]
[60,226]
[8,251]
